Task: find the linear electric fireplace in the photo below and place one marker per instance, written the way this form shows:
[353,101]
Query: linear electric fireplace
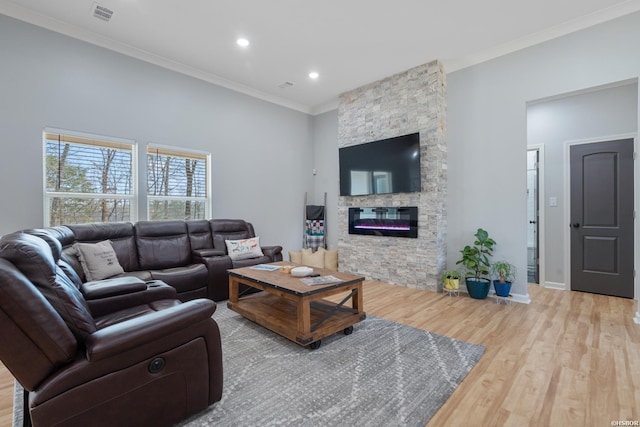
[395,222]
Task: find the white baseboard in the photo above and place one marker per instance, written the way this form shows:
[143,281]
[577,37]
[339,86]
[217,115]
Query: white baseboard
[555,285]
[519,298]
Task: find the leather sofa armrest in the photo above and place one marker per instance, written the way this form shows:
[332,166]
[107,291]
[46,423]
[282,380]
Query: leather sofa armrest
[154,290]
[110,287]
[216,263]
[205,253]
[218,276]
[273,252]
[131,334]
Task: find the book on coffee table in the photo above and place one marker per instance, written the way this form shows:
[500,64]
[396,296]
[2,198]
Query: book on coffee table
[320,280]
[265,267]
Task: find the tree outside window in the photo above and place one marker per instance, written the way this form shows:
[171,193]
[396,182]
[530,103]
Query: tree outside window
[177,184]
[88,179]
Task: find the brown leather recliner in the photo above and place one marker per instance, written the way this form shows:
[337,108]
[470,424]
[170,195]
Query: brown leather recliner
[148,360]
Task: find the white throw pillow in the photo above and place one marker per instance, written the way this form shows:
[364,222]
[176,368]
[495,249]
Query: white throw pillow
[99,260]
[243,249]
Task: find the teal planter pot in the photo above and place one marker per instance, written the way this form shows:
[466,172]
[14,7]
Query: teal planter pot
[478,289]
[502,289]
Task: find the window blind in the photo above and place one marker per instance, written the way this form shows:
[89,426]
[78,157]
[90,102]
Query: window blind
[87,179]
[177,183]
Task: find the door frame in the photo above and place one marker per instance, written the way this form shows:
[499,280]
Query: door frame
[541,214]
[567,205]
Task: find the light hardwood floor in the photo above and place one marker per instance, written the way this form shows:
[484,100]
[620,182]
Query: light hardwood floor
[6,397]
[568,358]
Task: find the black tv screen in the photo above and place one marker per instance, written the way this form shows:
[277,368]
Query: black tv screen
[386,166]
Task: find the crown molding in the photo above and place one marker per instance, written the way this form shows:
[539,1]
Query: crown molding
[556,31]
[323,108]
[451,65]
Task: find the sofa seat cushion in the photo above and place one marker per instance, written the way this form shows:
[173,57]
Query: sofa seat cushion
[144,275]
[251,261]
[185,278]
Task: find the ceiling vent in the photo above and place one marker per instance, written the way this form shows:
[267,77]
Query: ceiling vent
[285,85]
[101,12]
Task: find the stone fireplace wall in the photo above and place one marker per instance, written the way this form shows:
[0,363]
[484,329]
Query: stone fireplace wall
[408,102]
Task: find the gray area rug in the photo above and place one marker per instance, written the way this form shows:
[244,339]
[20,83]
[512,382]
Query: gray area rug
[384,374]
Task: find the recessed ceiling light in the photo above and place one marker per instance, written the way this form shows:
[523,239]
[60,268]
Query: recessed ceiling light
[242,42]
[313,75]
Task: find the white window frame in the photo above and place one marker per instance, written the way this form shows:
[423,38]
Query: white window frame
[47,195]
[179,151]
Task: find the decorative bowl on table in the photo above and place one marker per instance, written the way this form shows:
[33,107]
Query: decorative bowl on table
[301,271]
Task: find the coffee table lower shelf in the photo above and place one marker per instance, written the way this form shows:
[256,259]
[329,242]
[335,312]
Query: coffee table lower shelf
[286,317]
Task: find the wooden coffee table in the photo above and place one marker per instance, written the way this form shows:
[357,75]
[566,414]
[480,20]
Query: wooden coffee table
[293,309]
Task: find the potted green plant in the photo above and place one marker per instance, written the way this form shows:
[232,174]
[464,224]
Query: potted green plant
[476,261]
[451,279]
[504,273]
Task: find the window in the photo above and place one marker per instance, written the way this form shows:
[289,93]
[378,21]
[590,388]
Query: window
[88,179]
[177,184]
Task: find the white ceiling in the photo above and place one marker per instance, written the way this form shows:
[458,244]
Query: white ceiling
[349,42]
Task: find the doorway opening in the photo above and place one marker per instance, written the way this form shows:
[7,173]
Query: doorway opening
[598,113]
[533,216]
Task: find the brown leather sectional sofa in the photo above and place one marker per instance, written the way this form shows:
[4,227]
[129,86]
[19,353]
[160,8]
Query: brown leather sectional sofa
[130,353]
[137,349]
[191,256]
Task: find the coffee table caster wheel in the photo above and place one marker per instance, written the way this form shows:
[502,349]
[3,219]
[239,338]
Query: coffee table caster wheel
[315,345]
[348,331]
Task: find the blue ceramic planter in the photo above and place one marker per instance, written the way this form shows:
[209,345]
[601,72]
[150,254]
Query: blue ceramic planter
[502,289]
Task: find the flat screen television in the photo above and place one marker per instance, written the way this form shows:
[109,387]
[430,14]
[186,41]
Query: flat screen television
[386,166]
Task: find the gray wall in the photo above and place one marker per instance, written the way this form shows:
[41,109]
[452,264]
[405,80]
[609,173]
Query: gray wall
[261,153]
[327,176]
[598,114]
[487,127]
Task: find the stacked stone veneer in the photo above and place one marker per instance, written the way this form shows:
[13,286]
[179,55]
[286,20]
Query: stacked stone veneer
[413,101]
